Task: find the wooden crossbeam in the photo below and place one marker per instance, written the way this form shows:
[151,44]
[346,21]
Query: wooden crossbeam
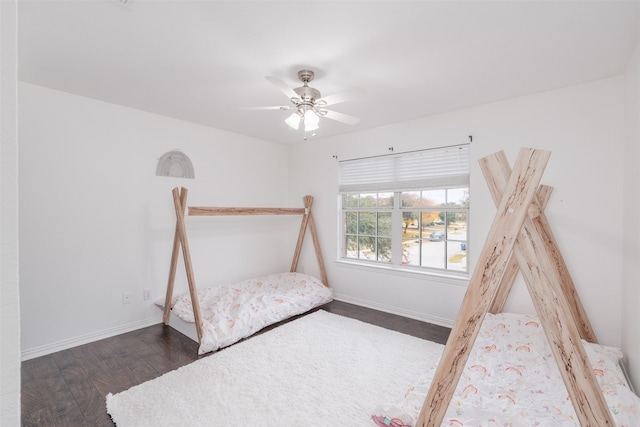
[214,211]
[486,278]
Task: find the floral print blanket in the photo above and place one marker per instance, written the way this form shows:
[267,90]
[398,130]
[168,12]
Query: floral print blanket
[231,312]
[512,379]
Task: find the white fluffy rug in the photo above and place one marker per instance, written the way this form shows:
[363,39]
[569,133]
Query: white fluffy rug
[320,370]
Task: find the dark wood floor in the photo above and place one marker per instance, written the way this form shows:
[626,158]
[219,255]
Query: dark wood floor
[68,388]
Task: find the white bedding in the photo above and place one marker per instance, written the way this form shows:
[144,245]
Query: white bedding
[231,312]
[511,379]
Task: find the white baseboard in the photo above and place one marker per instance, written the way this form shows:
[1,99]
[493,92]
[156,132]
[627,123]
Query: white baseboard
[395,310]
[43,350]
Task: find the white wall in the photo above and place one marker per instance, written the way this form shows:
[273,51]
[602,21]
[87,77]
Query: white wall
[582,126]
[9,293]
[95,220]
[631,250]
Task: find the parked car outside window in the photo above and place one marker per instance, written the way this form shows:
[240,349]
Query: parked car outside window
[436,236]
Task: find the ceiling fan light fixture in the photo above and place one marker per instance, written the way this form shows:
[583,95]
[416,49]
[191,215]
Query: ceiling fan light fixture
[309,105]
[311,121]
[294,120]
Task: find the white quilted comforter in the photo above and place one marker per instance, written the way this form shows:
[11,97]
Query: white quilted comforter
[231,312]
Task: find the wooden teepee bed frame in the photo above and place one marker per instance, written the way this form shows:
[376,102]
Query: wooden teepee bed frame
[520,239]
[180,241]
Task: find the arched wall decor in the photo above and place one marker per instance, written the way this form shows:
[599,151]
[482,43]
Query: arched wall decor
[175,163]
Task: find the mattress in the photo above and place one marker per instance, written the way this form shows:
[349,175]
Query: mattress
[231,312]
[511,379]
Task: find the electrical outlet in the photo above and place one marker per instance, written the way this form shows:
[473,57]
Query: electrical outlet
[146,294]
[126,297]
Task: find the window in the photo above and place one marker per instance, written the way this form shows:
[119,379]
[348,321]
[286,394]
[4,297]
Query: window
[407,209]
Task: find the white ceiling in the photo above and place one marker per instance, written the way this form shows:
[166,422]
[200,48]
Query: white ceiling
[206,61]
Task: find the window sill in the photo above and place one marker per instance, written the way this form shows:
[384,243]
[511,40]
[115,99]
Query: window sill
[459,279]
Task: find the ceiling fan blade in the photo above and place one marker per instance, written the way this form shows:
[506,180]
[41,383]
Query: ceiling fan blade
[281,107]
[344,118]
[339,97]
[283,87]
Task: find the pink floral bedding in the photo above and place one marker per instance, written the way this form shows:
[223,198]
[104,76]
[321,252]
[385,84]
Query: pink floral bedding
[511,379]
[231,312]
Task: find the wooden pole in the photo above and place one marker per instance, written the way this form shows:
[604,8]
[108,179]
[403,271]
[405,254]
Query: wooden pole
[496,170]
[182,233]
[492,264]
[536,253]
[308,201]
[544,192]
[218,211]
[174,259]
[316,246]
[307,221]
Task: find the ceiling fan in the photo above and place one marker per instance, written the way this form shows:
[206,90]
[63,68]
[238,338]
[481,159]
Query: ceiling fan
[309,105]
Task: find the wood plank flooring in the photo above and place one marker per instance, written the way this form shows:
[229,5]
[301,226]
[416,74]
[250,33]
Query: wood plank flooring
[68,388]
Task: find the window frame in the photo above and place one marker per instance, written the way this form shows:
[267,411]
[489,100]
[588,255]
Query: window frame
[446,212]
[357,235]
[396,262]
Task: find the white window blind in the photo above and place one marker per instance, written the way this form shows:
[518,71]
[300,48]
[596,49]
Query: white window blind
[434,168]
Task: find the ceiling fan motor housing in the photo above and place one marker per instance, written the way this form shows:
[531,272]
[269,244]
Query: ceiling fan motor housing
[307,94]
